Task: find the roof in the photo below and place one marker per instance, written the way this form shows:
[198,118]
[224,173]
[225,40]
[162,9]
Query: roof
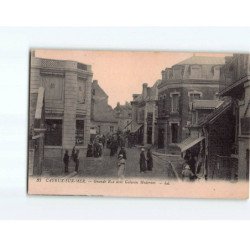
[207,60]
[100,93]
[135,127]
[151,93]
[206,104]
[225,106]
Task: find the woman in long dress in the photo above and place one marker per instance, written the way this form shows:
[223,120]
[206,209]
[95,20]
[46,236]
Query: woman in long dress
[143,166]
[149,160]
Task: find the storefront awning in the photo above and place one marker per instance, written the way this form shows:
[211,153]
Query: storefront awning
[189,142]
[135,127]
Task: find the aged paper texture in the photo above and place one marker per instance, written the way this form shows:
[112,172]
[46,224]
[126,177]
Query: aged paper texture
[139,124]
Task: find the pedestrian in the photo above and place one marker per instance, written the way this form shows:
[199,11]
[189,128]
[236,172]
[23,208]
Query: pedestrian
[66,161]
[121,166]
[142,162]
[149,160]
[77,160]
[90,150]
[123,152]
[192,163]
[187,174]
[73,153]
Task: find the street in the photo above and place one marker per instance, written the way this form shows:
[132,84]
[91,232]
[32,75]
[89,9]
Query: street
[106,166]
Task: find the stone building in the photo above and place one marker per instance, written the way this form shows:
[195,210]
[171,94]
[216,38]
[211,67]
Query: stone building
[36,133]
[67,86]
[235,83]
[194,78]
[144,114]
[123,115]
[103,120]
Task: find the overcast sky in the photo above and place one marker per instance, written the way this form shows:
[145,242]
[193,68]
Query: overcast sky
[122,73]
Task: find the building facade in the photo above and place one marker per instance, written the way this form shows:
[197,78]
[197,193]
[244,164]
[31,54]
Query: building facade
[144,115]
[123,115]
[235,83]
[67,87]
[103,120]
[194,78]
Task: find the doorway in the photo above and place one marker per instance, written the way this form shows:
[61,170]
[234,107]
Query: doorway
[161,133]
[174,132]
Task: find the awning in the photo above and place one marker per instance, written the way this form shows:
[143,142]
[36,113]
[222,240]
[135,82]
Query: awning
[135,127]
[189,142]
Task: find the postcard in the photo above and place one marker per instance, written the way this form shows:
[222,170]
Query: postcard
[139,124]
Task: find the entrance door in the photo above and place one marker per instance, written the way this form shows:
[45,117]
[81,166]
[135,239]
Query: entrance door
[161,132]
[174,132]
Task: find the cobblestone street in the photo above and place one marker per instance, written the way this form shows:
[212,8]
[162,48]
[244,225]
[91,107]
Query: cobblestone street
[106,166]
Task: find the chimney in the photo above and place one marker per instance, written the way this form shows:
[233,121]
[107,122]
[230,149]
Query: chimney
[144,90]
[135,96]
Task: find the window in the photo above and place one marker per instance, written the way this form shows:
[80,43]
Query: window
[216,73]
[195,71]
[177,72]
[81,91]
[194,96]
[150,118]
[79,132]
[53,134]
[111,129]
[175,102]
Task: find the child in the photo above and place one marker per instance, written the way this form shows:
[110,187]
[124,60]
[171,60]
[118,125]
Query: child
[121,166]
[187,174]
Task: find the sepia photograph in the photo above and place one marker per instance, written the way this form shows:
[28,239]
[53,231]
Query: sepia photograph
[139,123]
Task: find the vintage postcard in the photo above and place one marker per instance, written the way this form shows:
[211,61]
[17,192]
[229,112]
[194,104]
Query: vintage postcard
[139,124]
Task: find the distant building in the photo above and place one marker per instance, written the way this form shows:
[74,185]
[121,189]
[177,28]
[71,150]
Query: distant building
[144,114]
[123,115]
[67,87]
[103,119]
[196,78]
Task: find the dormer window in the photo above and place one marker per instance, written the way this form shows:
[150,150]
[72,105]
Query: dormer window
[195,71]
[216,73]
[177,72]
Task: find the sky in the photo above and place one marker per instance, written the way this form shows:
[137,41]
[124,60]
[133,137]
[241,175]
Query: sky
[122,73]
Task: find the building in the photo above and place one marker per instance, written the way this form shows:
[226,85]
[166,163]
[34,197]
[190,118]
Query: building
[67,87]
[123,115]
[103,120]
[144,115]
[235,83]
[211,138]
[36,134]
[194,78]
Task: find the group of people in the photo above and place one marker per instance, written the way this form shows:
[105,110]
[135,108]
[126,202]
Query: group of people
[74,157]
[193,167]
[95,148]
